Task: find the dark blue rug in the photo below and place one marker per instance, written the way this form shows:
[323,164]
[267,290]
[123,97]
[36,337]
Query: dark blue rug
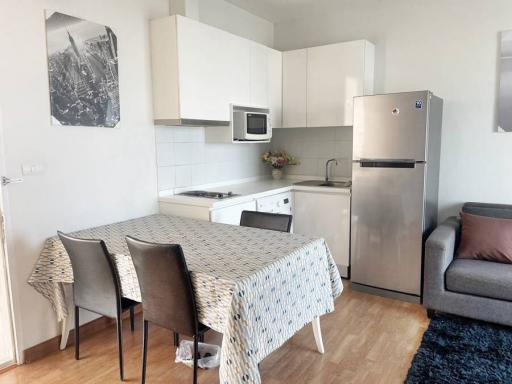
[463,351]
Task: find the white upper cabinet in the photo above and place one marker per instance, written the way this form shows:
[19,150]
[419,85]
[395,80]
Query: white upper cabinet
[259,76]
[275,87]
[199,70]
[214,70]
[320,83]
[295,88]
[266,80]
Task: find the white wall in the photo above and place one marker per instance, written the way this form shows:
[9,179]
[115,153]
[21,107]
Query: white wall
[313,147]
[92,176]
[449,47]
[185,160]
[228,17]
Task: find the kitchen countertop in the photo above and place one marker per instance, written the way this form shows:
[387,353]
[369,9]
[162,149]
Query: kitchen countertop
[247,191]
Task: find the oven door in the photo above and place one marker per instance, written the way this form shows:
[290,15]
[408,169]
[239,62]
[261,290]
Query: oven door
[257,126]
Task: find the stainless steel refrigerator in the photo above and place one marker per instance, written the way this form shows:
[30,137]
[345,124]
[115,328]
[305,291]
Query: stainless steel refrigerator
[395,169]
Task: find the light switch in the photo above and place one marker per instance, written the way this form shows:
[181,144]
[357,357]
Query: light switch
[32,169]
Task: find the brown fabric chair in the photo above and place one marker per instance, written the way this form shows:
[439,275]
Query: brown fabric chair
[264,220]
[167,294]
[96,287]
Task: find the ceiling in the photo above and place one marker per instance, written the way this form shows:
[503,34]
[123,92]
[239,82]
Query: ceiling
[278,11]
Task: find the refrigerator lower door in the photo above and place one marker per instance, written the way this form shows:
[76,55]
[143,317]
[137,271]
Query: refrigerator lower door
[387,225]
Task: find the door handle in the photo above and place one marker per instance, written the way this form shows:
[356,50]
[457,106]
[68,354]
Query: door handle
[387,163]
[7,181]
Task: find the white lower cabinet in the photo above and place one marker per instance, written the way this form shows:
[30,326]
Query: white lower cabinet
[231,215]
[326,215]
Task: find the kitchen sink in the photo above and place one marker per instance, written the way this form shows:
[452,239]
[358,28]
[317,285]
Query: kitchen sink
[323,183]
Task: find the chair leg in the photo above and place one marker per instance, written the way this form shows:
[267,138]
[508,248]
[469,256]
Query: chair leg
[176,339]
[132,319]
[144,350]
[195,359]
[120,344]
[77,333]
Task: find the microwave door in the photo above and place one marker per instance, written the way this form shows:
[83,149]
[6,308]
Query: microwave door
[251,124]
[257,126]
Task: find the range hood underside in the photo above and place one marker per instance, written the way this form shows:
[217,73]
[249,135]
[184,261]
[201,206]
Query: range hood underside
[192,122]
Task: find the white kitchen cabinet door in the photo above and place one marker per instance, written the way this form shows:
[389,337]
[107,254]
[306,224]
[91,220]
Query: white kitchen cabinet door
[325,215]
[275,86]
[335,74]
[295,65]
[214,70]
[259,76]
[231,215]
[266,80]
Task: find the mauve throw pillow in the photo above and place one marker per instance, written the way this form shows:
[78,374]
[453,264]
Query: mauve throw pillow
[485,238]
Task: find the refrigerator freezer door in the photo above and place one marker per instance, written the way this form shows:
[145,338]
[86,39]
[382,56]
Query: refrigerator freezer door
[387,227]
[391,126]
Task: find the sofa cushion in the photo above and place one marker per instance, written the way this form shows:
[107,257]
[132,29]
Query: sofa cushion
[480,278]
[485,238]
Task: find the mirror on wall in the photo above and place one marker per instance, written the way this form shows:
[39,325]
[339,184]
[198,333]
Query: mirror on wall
[505,92]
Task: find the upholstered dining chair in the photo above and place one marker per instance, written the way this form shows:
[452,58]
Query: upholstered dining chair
[265,220]
[96,287]
[167,294]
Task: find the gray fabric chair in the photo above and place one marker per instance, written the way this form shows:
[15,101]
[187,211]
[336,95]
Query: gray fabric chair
[471,288]
[96,287]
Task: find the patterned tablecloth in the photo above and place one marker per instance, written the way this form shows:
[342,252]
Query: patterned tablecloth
[257,287]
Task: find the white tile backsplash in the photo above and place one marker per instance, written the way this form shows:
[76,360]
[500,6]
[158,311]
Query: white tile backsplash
[313,147]
[166,178]
[165,154]
[164,135]
[188,153]
[185,159]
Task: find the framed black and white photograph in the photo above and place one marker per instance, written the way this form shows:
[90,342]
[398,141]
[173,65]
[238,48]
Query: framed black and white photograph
[83,72]
[505,93]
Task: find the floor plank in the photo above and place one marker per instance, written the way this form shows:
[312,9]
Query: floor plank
[368,339]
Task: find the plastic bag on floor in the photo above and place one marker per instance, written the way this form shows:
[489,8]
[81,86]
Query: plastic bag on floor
[209,355]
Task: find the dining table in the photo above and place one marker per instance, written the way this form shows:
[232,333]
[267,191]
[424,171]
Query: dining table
[257,287]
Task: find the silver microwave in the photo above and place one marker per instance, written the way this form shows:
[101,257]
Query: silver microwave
[251,124]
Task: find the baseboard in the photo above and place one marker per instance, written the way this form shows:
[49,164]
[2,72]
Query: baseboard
[52,345]
[386,293]
[8,368]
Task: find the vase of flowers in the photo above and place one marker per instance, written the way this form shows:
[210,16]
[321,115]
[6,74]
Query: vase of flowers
[278,160]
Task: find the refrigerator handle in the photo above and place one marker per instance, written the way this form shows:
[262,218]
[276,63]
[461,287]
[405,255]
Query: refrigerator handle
[401,163]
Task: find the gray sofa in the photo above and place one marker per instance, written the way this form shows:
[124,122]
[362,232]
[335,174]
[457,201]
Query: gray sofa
[471,288]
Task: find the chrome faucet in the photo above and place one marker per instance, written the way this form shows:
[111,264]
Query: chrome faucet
[327,168]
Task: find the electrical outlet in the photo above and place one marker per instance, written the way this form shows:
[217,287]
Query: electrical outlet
[32,169]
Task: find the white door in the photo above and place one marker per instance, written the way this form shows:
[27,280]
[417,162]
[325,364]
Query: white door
[295,88]
[336,74]
[7,353]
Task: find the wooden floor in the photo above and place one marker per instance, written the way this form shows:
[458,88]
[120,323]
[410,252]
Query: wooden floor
[368,340]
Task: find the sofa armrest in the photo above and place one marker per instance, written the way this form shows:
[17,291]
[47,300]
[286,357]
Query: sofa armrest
[439,252]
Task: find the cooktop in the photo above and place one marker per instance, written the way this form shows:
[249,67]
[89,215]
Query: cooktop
[208,195]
